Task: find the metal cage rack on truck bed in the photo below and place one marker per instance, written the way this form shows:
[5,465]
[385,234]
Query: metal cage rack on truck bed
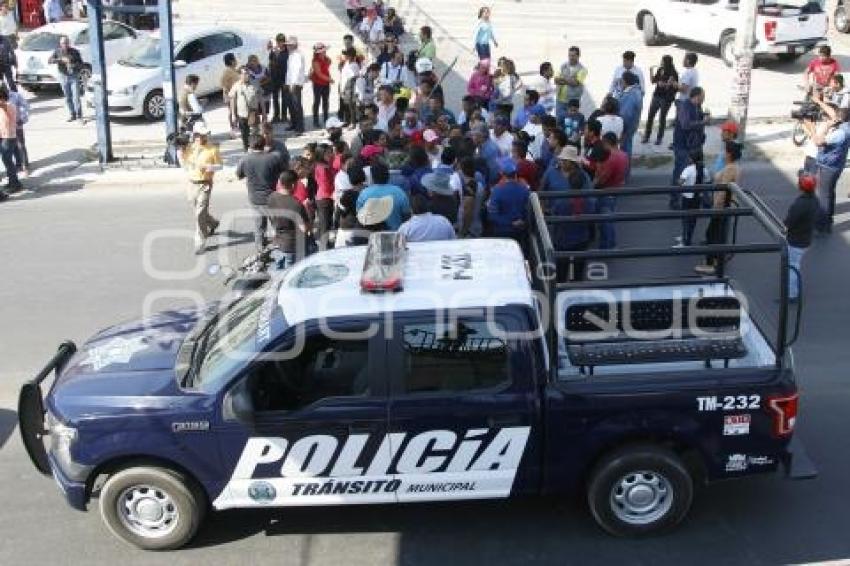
[717,338]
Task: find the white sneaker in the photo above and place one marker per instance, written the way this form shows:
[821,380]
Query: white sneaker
[679,245]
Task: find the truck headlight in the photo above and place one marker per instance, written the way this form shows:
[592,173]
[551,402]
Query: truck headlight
[62,438]
[61,435]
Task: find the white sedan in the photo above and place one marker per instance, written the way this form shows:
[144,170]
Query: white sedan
[134,83]
[37,46]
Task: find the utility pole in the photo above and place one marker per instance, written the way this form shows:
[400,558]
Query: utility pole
[743,68]
[98,81]
[166,44]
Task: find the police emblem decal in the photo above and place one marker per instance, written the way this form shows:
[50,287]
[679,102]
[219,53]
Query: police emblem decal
[262,492]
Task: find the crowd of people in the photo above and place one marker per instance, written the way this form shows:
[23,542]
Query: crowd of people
[397,158]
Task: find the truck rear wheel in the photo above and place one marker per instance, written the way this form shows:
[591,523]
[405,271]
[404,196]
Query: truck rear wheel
[152,508]
[639,490]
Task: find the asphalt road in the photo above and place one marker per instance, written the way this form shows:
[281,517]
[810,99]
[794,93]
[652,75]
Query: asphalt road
[72,263]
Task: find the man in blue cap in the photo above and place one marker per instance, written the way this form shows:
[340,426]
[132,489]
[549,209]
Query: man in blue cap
[507,208]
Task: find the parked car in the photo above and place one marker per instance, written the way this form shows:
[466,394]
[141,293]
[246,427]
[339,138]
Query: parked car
[842,23]
[787,30]
[36,47]
[134,83]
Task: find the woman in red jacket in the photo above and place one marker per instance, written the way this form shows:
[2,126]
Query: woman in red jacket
[320,75]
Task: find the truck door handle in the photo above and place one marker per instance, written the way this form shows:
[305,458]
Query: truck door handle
[504,420]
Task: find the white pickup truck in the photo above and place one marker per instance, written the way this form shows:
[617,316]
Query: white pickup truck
[787,30]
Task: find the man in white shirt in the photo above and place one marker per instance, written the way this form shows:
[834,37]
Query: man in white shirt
[534,129]
[545,86]
[688,78]
[372,28]
[501,135]
[394,73]
[366,86]
[386,107]
[617,87]
[8,25]
[840,94]
[296,76]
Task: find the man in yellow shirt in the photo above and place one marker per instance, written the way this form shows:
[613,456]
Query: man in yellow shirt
[201,159]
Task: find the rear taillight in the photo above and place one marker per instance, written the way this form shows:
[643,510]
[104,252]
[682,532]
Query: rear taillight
[784,411]
[770,30]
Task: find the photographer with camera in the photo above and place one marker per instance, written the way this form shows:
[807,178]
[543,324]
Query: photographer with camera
[832,141]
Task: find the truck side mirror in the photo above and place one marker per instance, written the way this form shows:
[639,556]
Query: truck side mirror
[238,404]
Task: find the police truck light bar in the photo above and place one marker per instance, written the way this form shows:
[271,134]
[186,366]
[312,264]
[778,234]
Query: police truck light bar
[383,269]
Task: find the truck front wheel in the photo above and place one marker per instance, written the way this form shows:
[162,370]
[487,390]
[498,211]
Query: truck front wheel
[639,490]
[151,508]
[650,30]
[727,49]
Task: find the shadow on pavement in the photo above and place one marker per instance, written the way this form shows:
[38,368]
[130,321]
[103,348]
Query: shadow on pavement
[8,422]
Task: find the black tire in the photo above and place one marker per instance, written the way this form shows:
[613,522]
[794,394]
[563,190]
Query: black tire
[798,134]
[727,48]
[842,22]
[788,57]
[154,106]
[646,471]
[177,496]
[650,30]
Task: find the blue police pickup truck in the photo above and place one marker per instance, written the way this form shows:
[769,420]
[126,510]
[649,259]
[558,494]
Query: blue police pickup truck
[411,372]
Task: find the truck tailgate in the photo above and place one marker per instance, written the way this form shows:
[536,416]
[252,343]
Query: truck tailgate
[792,25]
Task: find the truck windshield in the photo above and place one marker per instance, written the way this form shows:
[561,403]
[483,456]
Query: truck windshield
[230,341]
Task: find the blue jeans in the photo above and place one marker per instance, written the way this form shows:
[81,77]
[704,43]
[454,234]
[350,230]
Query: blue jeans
[483,50]
[827,180]
[607,231]
[8,149]
[71,90]
[689,224]
[795,260]
[680,161]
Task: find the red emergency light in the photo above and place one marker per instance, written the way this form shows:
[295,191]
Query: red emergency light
[383,269]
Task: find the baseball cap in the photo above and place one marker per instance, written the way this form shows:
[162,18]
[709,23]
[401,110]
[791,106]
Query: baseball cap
[371,151]
[537,110]
[729,126]
[507,166]
[807,182]
[333,122]
[375,210]
[319,47]
[430,136]
[200,129]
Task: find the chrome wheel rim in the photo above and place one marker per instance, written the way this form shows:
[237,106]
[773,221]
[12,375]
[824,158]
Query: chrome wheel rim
[147,511]
[641,498]
[156,106]
[729,52]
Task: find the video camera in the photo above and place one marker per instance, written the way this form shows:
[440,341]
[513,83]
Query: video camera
[808,111]
[179,140]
